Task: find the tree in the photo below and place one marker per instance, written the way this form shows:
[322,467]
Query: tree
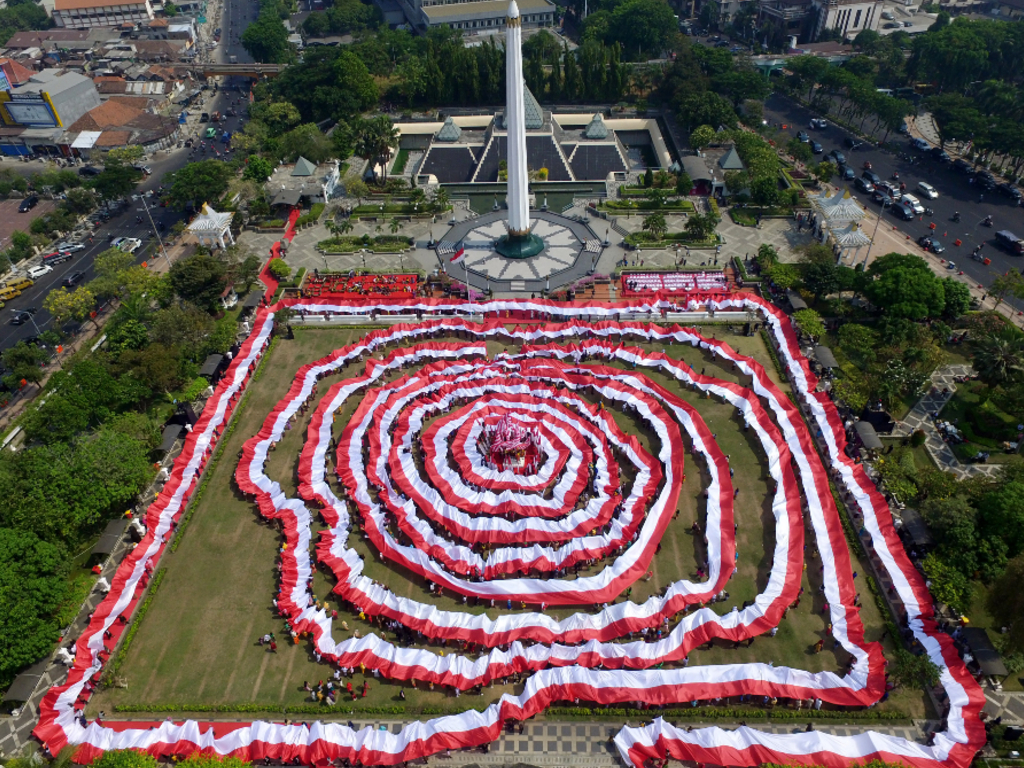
[24,361]
[201,760]
[941,20]
[822,278]
[266,39]
[124,758]
[1006,603]
[764,190]
[824,171]
[1009,284]
[784,276]
[33,586]
[79,201]
[684,184]
[910,671]
[655,224]
[376,140]
[859,343]
[903,286]
[306,141]
[808,70]
[73,305]
[702,136]
[958,298]
[700,226]
[197,183]
[184,326]
[279,268]
[799,150]
[198,279]
[248,271]
[116,180]
[258,170]
[129,154]
[998,357]
[642,26]
[947,584]
[158,365]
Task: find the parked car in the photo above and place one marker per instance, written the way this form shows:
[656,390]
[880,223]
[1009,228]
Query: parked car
[73,279]
[36,272]
[816,148]
[28,203]
[892,25]
[838,156]
[963,166]
[927,190]
[819,123]
[57,257]
[852,143]
[889,15]
[921,144]
[849,174]
[803,136]
[1010,191]
[985,180]
[204,118]
[938,153]
[89,170]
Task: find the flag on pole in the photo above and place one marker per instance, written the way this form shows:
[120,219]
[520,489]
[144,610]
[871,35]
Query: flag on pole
[459,255]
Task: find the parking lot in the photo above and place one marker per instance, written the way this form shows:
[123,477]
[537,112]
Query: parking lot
[11,220]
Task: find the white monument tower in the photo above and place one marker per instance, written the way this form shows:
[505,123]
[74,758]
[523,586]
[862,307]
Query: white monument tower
[515,121]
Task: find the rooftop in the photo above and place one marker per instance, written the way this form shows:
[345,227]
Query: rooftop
[74,5]
[483,9]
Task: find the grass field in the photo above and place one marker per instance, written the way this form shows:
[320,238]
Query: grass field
[198,642]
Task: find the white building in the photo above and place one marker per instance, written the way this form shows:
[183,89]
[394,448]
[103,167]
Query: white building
[88,14]
[212,227]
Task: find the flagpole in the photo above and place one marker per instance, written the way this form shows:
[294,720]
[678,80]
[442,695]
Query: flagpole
[465,267]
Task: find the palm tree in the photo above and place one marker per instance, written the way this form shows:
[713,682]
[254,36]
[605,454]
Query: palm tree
[345,227]
[377,139]
[655,224]
[442,200]
[395,226]
[998,358]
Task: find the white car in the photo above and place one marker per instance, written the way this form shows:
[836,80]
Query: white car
[69,247]
[911,202]
[129,244]
[927,190]
[36,272]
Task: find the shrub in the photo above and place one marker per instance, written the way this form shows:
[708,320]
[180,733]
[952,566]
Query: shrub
[279,269]
[917,439]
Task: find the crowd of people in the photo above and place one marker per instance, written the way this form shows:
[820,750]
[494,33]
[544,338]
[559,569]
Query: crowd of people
[360,286]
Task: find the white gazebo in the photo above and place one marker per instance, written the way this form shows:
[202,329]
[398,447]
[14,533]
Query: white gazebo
[839,214]
[212,227]
[849,240]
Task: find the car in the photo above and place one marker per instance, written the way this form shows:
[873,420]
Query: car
[873,177]
[1010,191]
[57,257]
[737,49]
[908,23]
[204,118]
[920,144]
[816,148]
[864,185]
[803,137]
[985,180]
[71,280]
[69,247]
[143,168]
[1010,242]
[129,244]
[848,174]
[819,123]
[905,212]
[886,191]
[28,203]
[722,44]
[913,203]
[230,112]
[20,318]
[89,170]
[36,272]
[838,156]
[938,153]
[888,15]
[927,190]
[852,143]
[963,166]
[892,25]
[931,244]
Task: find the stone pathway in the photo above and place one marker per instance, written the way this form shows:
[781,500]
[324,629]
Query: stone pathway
[934,400]
[1008,705]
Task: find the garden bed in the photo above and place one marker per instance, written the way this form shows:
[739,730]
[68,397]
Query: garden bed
[353,244]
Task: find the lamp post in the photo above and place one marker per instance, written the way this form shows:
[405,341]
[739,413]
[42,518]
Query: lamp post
[160,240]
[885,201]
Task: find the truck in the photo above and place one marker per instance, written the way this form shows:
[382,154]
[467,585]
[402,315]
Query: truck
[232,59]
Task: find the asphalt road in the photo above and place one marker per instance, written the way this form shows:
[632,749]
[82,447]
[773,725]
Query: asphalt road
[955,194]
[232,93]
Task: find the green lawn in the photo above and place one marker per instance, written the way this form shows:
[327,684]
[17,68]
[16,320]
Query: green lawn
[197,644]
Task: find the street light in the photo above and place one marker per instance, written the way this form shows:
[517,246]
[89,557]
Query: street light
[159,239]
[885,201]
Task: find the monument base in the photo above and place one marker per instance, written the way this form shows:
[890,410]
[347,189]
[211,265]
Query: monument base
[519,246]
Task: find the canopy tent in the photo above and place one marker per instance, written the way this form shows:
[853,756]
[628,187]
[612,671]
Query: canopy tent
[795,301]
[24,685]
[111,536]
[985,654]
[171,434]
[916,528]
[851,236]
[868,436]
[211,367]
[825,357]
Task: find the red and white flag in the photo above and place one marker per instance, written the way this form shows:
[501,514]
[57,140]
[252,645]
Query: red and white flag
[459,255]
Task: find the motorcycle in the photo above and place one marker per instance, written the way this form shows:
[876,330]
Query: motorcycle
[956,216]
[896,175]
[988,222]
[981,457]
[929,212]
[867,165]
